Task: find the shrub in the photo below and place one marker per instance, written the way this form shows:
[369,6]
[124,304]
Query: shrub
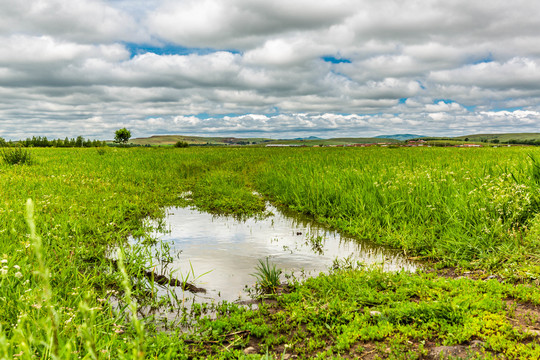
[15,156]
[181,144]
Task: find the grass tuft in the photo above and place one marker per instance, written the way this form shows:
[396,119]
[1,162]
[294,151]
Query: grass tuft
[267,276]
[16,156]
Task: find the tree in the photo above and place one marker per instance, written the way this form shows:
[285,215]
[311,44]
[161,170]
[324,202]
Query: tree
[122,136]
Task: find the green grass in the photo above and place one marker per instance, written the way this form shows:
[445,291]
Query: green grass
[15,156]
[474,209]
[268,276]
[466,207]
[343,313]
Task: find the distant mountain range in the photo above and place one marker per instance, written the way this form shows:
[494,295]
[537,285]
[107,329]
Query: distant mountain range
[308,138]
[168,140]
[400,137]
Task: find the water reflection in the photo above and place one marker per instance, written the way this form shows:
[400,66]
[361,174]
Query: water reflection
[226,250]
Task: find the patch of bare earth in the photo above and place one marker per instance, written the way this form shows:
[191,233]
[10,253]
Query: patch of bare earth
[525,317]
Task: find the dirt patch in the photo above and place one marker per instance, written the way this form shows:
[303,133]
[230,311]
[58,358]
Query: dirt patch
[455,273]
[456,351]
[524,316]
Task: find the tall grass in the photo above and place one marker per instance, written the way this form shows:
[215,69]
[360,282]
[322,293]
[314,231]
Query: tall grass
[267,276]
[472,207]
[16,156]
[443,204]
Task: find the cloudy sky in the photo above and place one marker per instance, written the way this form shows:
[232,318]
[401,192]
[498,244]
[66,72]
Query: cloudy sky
[280,68]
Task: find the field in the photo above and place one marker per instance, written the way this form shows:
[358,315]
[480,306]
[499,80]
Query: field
[470,216]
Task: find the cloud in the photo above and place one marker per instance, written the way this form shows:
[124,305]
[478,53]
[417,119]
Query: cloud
[251,66]
[87,21]
[240,24]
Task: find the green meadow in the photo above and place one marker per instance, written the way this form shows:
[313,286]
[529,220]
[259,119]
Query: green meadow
[70,283]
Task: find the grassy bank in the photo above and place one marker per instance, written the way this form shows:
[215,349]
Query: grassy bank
[474,209]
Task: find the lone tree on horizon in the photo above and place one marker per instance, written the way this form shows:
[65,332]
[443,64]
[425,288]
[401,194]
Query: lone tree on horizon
[121,136]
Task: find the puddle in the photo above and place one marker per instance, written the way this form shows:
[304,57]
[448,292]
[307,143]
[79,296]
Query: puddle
[219,253]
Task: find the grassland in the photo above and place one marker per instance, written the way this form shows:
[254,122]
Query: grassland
[470,215]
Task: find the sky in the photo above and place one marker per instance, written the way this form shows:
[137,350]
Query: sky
[279,69]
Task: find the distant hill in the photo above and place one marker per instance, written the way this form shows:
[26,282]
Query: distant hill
[400,137]
[164,140]
[333,141]
[506,138]
[501,137]
[309,138]
[168,140]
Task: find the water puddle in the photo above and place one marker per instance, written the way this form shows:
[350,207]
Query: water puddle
[219,253]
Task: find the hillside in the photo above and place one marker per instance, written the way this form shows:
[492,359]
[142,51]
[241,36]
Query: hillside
[164,140]
[400,137]
[502,137]
[167,140]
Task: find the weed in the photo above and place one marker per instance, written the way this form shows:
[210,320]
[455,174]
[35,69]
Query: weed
[267,276]
[316,242]
[16,156]
[535,169]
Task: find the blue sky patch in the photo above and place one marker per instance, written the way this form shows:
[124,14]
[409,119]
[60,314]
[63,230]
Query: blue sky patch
[336,60]
[204,116]
[510,109]
[446,101]
[170,49]
[484,60]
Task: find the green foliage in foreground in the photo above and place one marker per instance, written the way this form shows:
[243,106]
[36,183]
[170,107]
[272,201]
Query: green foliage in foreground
[473,208]
[395,315]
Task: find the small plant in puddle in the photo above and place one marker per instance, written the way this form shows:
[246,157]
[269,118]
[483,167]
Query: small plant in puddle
[15,156]
[316,243]
[267,276]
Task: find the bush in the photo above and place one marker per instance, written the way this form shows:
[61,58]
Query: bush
[181,144]
[15,156]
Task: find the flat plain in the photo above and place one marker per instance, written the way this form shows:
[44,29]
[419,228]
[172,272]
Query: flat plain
[469,216]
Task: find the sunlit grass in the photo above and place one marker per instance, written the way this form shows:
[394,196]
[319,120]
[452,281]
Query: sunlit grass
[473,208]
